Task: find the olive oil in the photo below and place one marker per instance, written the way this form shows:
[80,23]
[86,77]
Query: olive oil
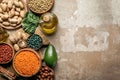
[48,23]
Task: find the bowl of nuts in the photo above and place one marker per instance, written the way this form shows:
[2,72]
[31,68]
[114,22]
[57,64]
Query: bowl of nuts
[12,13]
[45,73]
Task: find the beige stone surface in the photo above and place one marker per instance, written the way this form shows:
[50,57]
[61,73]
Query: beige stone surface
[87,39]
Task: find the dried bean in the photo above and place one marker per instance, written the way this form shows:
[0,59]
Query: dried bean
[19,20]
[4,1]
[14,25]
[22,13]
[0,10]
[12,13]
[13,21]
[21,5]
[13,7]
[1,14]
[16,13]
[1,20]
[15,17]
[18,9]
[10,3]
[3,6]
[4,17]
[16,3]
[6,23]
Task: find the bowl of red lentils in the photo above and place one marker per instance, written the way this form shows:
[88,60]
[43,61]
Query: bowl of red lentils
[27,62]
[6,53]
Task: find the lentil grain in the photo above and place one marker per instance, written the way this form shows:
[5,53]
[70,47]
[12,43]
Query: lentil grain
[26,63]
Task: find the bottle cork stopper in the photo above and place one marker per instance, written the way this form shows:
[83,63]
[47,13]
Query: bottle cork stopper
[46,18]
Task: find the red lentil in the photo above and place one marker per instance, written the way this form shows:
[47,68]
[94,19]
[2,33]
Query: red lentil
[6,53]
[26,63]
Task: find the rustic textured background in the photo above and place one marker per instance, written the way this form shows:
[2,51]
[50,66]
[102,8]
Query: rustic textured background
[87,40]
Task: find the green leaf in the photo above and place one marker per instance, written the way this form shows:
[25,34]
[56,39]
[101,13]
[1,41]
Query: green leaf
[30,22]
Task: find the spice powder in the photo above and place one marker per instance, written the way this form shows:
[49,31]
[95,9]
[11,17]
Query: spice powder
[26,62]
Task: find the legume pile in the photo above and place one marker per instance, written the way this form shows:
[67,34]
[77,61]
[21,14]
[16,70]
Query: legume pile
[34,41]
[6,53]
[40,6]
[26,62]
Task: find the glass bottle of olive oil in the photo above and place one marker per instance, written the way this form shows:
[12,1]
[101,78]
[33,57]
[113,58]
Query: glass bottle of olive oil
[3,34]
[48,23]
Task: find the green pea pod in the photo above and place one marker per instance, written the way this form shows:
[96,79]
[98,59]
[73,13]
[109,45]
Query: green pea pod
[50,56]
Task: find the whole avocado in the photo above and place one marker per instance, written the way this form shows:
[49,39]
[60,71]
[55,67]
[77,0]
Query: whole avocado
[50,56]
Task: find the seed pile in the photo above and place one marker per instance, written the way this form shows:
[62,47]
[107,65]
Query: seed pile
[26,62]
[40,6]
[6,53]
[34,41]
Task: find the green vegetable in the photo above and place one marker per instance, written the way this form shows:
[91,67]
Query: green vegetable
[30,22]
[50,56]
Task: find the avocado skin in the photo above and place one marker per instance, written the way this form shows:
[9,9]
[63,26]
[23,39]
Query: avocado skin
[50,56]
